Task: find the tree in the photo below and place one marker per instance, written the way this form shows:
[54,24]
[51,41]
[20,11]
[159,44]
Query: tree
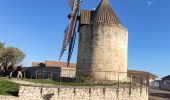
[1,46]
[13,55]
[1,52]
[10,56]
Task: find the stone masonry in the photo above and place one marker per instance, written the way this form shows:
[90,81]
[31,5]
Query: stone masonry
[103,47]
[103,44]
[79,93]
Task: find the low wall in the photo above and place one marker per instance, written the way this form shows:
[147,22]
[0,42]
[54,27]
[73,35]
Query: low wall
[165,87]
[82,93]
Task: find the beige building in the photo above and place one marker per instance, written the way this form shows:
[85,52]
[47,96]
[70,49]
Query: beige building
[54,68]
[142,76]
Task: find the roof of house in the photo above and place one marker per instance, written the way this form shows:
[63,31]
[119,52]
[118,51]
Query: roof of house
[142,72]
[105,14]
[59,64]
[166,77]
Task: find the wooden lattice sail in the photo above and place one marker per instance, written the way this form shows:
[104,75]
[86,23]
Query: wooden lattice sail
[70,32]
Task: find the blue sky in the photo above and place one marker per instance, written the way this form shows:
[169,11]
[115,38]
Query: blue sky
[36,27]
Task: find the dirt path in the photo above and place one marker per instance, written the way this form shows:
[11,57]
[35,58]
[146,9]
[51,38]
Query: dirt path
[24,82]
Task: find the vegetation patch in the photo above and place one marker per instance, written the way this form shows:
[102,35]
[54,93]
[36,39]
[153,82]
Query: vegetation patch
[52,82]
[8,88]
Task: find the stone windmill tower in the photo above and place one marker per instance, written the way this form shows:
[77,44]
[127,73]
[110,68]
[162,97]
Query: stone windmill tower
[103,43]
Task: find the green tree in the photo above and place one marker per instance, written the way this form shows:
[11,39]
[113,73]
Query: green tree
[10,56]
[1,52]
[13,55]
[1,46]
[1,55]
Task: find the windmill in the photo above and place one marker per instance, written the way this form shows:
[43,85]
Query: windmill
[70,33]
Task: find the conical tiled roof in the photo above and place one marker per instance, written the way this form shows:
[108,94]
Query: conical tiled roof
[105,14]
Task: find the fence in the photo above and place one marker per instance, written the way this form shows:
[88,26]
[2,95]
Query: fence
[94,78]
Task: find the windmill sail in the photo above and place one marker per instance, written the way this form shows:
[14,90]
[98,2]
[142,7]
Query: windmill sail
[71,2]
[72,42]
[71,47]
[69,34]
[65,41]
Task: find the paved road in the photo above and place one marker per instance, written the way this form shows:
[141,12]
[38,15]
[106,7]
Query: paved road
[155,94]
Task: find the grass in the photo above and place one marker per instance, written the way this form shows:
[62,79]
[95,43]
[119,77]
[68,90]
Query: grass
[8,88]
[43,81]
[49,81]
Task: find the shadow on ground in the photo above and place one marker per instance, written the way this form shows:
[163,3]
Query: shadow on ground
[13,93]
[161,95]
[48,96]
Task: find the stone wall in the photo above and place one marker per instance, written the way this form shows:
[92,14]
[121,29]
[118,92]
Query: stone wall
[81,93]
[68,72]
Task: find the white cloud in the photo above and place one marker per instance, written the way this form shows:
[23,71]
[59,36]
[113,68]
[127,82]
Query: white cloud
[149,3]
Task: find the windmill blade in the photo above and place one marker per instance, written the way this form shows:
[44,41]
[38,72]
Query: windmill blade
[73,22]
[69,34]
[65,41]
[71,2]
[71,46]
